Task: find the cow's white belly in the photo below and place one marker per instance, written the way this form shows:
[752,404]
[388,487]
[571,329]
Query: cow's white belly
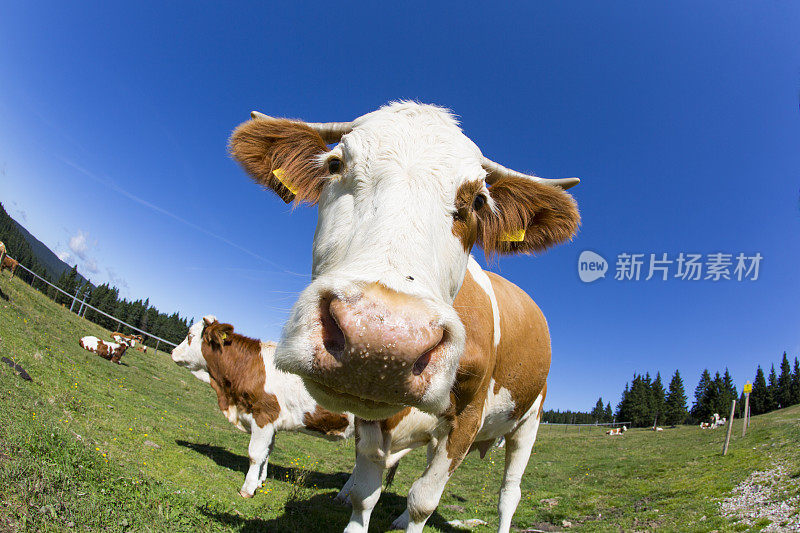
[413,431]
[497,414]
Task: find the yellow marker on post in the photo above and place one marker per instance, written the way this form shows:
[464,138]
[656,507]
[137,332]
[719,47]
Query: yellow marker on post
[279,173]
[513,236]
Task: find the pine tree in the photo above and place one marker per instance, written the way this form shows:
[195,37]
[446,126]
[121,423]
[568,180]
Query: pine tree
[700,408]
[658,400]
[640,400]
[623,407]
[714,396]
[796,383]
[759,398]
[608,414]
[675,406]
[772,389]
[729,392]
[597,412]
[784,389]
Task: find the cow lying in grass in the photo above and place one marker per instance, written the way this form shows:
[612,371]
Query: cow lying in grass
[252,394]
[112,351]
[715,423]
[135,341]
[617,431]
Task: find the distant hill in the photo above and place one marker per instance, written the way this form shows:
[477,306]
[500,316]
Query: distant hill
[48,259]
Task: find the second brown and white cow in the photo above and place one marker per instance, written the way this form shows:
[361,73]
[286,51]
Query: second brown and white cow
[400,325]
[252,394]
[112,351]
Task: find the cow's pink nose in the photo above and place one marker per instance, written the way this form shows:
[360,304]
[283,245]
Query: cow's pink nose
[383,324]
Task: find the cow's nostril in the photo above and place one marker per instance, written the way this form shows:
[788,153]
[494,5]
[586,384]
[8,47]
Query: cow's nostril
[332,335]
[421,363]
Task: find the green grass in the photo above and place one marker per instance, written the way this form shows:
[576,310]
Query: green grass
[73,455]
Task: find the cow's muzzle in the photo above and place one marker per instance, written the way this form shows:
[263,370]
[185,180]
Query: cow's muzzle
[381,347]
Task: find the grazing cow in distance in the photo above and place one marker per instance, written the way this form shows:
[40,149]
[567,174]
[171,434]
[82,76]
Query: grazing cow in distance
[400,325]
[252,394]
[9,264]
[112,351]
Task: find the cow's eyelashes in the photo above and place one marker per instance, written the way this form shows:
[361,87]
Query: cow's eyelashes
[335,165]
[478,202]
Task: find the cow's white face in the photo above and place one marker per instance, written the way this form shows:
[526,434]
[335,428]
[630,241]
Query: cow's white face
[189,354]
[402,199]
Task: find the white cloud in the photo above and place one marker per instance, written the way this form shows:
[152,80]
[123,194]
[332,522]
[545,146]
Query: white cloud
[80,248]
[79,245]
[91,266]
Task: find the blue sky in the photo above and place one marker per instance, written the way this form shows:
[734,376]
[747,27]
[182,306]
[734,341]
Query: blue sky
[680,118]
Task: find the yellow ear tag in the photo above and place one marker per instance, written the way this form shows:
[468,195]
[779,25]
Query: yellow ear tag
[279,173]
[224,336]
[513,236]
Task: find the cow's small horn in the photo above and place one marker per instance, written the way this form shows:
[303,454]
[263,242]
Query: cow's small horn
[331,132]
[497,171]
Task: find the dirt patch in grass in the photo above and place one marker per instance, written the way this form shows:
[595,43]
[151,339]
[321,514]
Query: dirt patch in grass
[766,495]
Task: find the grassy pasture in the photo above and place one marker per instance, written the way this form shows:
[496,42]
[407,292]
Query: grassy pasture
[142,447]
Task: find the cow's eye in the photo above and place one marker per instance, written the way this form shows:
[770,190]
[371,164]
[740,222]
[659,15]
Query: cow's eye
[335,165]
[478,202]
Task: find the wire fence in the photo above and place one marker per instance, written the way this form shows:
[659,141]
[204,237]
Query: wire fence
[584,427]
[84,305]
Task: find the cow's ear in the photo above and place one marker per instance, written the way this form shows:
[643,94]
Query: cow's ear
[217,334]
[527,217]
[283,155]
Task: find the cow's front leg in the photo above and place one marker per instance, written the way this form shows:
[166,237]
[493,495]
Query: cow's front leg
[425,493]
[518,450]
[258,451]
[263,476]
[401,522]
[367,476]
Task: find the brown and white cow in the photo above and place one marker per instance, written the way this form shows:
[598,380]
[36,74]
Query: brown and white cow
[617,431]
[112,351]
[2,252]
[133,340]
[8,263]
[400,325]
[252,394]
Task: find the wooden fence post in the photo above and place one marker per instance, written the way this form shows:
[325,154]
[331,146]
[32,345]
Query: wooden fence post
[730,427]
[746,413]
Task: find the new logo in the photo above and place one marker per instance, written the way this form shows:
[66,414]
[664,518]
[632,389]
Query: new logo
[591,266]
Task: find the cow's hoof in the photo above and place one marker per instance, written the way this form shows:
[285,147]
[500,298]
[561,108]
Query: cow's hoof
[342,498]
[243,494]
[401,522]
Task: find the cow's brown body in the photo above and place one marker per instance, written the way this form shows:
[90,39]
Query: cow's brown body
[9,264]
